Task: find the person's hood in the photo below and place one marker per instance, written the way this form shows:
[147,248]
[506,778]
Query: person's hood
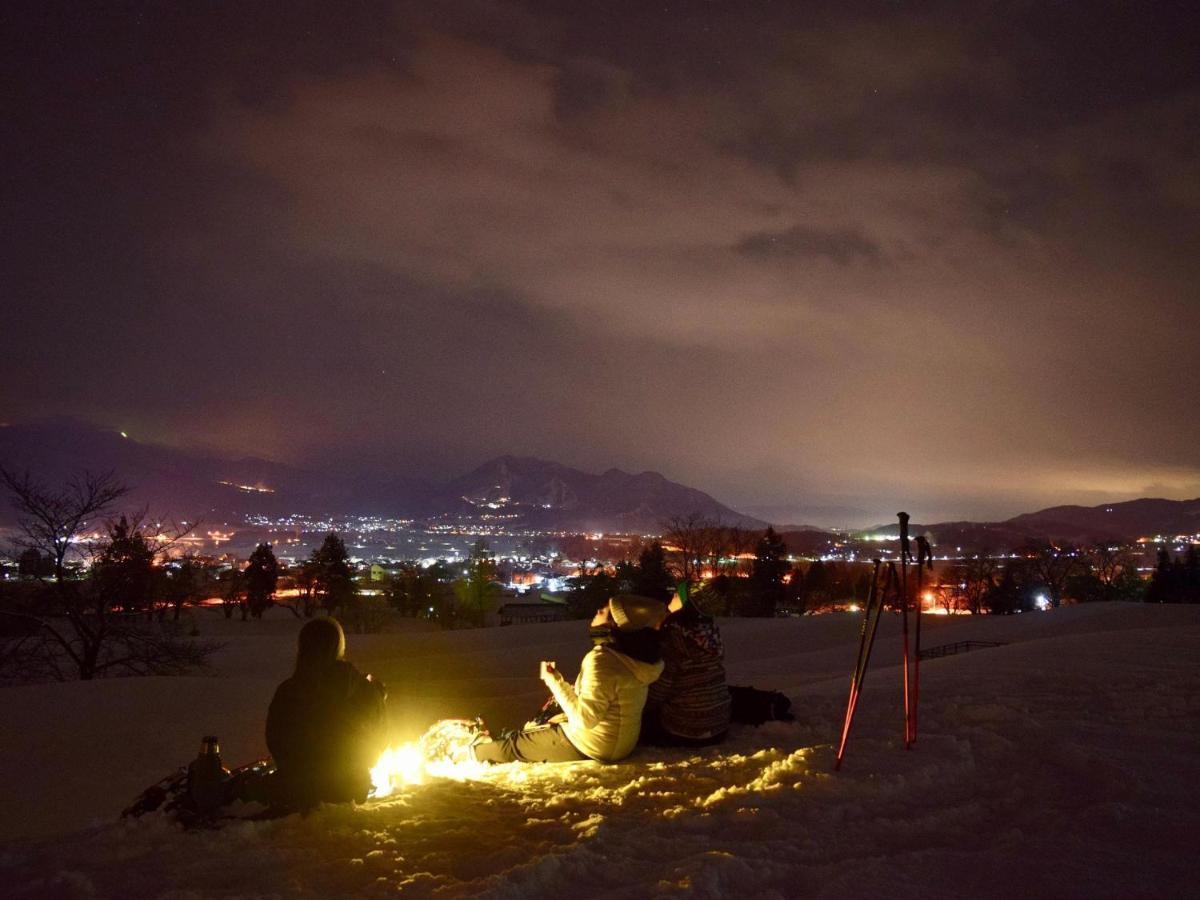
[644,672]
[338,677]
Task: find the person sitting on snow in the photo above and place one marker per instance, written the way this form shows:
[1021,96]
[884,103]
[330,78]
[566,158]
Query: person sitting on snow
[689,705]
[326,725]
[602,712]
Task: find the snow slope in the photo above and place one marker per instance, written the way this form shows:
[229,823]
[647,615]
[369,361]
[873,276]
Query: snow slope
[1062,764]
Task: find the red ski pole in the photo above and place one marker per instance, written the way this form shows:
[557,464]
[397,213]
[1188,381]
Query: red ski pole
[924,560]
[905,553]
[866,639]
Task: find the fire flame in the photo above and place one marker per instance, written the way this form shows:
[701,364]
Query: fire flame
[397,766]
[444,751]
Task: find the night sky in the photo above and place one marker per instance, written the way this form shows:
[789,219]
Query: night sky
[802,256]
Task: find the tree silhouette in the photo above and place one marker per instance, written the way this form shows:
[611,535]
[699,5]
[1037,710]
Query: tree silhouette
[259,579]
[186,578]
[86,627]
[477,591]
[1175,580]
[766,592]
[651,577]
[333,582]
[124,568]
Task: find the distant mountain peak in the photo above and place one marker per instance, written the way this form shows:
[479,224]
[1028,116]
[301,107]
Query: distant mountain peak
[552,495]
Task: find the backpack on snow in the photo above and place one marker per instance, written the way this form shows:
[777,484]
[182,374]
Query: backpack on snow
[753,707]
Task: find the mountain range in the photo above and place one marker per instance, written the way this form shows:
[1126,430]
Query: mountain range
[1124,521]
[550,495]
[520,491]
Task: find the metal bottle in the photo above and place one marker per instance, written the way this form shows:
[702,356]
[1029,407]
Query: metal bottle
[206,777]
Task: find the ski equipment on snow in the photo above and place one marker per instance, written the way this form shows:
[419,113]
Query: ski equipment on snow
[895,589]
[905,556]
[866,640]
[924,561]
[197,796]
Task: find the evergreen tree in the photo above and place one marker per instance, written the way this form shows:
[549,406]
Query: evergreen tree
[651,577]
[260,578]
[123,574]
[334,583]
[723,595]
[477,591]
[591,591]
[766,577]
[1160,589]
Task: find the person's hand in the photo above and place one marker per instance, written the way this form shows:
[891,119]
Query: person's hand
[546,670]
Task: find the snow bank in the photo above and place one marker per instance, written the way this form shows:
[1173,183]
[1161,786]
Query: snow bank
[1061,764]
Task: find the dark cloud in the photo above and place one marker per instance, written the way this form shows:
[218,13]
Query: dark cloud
[798,242]
[734,242]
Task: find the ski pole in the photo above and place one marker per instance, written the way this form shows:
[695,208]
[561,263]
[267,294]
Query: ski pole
[889,584]
[905,552]
[872,596]
[865,642]
[924,560]
[856,675]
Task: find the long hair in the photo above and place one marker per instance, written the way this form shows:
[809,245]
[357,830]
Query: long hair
[321,643]
[643,644]
[690,614]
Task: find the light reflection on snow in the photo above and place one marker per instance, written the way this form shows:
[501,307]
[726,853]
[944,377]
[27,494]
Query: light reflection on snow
[408,765]
[397,766]
[444,752]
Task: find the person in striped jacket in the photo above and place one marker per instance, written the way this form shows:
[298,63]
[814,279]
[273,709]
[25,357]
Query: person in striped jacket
[689,704]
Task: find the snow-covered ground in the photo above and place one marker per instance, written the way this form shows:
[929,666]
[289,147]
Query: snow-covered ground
[1063,764]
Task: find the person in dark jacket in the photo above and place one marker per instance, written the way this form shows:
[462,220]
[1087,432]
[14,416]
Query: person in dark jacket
[689,705]
[327,723]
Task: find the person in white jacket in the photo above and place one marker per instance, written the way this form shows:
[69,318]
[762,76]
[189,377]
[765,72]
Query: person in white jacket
[602,711]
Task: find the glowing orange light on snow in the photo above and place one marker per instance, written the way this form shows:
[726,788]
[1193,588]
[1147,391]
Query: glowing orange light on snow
[442,752]
[397,766]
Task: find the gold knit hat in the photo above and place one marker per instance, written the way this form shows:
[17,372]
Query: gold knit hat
[631,612]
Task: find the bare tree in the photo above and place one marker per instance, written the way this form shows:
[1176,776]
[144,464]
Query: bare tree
[88,627]
[970,581]
[689,541]
[726,545]
[1053,566]
[1109,562]
[50,521]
